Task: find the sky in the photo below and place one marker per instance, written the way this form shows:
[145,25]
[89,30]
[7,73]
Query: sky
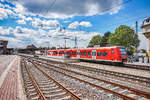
[47,22]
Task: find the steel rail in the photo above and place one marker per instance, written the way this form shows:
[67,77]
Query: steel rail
[124,97]
[62,87]
[117,74]
[136,91]
[34,83]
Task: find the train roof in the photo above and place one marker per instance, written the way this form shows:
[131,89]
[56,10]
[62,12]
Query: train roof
[101,47]
[88,48]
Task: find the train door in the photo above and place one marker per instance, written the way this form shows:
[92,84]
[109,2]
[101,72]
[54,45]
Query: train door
[93,54]
[78,54]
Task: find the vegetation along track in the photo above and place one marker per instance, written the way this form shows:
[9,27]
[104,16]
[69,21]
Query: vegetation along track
[40,86]
[112,88]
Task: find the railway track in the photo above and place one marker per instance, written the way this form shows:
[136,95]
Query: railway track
[40,86]
[121,91]
[145,80]
[132,66]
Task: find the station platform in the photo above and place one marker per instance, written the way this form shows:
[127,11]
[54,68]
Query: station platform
[62,59]
[139,63]
[59,58]
[10,78]
[55,58]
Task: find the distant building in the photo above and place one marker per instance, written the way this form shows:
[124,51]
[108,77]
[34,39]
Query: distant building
[3,46]
[146,31]
[10,50]
[30,49]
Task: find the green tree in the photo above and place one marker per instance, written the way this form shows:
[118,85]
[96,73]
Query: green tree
[125,36]
[95,41]
[105,38]
[53,48]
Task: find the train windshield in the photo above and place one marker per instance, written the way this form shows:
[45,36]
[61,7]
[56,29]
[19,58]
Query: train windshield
[123,51]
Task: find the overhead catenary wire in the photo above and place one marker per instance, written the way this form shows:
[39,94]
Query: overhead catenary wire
[51,5]
[128,20]
[108,9]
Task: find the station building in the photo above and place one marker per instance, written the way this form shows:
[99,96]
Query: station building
[3,46]
[146,31]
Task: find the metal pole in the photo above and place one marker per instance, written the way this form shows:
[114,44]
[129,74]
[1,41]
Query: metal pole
[136,33]
[65,43]
[75,42]
[136,27]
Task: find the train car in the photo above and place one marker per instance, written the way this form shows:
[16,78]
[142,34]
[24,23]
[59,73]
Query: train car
[113,54]
[49,53]
[86,53]
[61,52]
[74,53]
[106,54]
[54,52]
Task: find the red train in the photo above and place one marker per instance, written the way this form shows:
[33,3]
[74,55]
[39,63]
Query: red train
[111,54]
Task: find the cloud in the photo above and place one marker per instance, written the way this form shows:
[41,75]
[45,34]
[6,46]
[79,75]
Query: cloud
[45,24]
[21,22]
[4,13]
[4,31]
[67,21]
[85,24]
[28,18]
[76,24]
[12,42]
[21,36]
[73,25]
[68,8]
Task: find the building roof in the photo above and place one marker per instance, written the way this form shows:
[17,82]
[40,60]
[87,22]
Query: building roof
[146,22]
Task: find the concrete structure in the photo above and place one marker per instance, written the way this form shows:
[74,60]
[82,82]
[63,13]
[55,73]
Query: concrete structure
[3,46]
[146,31]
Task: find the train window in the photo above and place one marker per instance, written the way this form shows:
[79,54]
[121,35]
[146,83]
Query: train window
[73,53]
[81,53]
[84,53]
[89,53]
[123,51]
[98,53]
[112,51]
[105,54]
